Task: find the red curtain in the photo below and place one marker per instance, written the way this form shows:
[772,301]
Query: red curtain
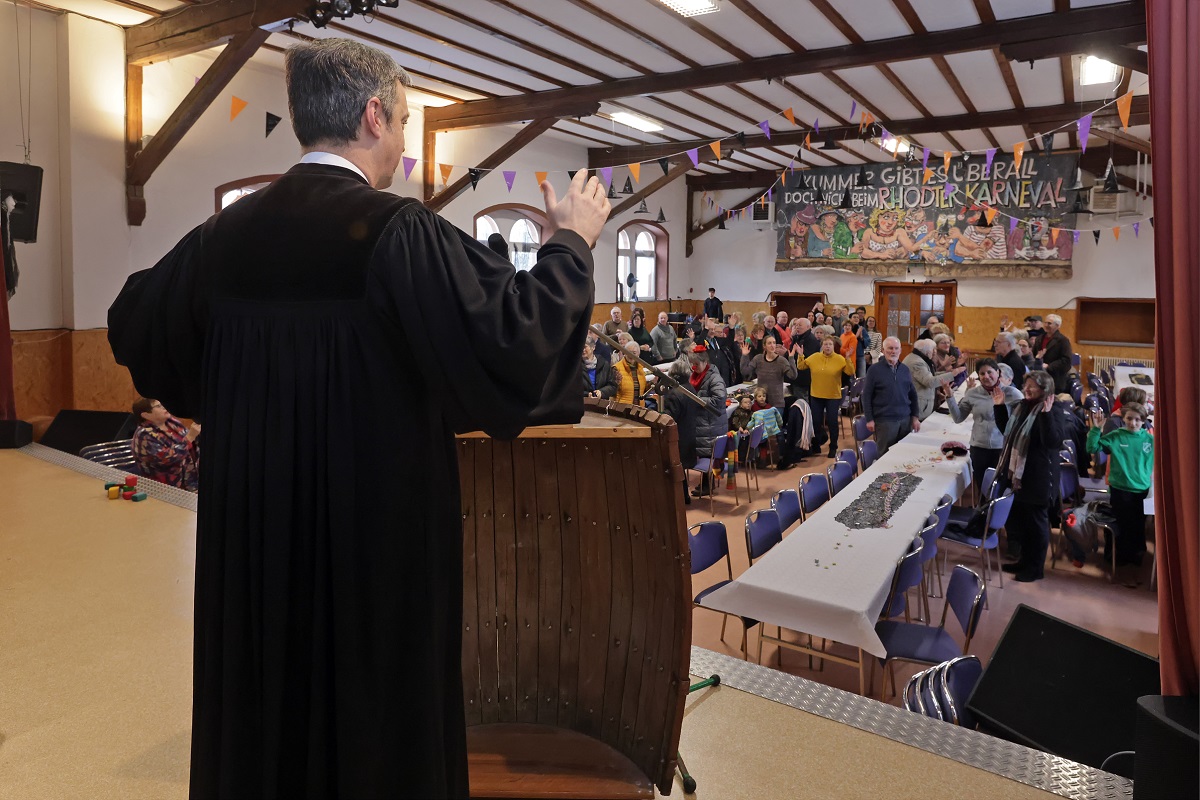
[1173,30]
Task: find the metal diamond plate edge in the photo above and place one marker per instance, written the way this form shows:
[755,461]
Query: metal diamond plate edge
[159,491]
[1034,768]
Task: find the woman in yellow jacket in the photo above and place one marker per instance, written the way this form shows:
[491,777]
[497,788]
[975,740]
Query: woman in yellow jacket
[827,368]
[631,381]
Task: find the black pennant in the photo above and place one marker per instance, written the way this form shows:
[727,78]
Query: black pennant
[474,175]
[1047,144]
[741,137]
[1152,222]
[272,121]
[666,168]
[721,222]
[1096,236]
[571,174]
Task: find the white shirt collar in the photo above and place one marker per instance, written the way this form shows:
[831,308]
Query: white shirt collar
[332,160]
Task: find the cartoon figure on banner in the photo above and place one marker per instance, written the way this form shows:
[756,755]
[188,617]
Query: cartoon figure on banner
[1036,240]
[882,240]
[918,238]
[847,236]
[820,236]
[944,246]
[797,240]
[982,240]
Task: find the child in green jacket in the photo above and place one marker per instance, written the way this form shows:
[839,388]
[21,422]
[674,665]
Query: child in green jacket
[1131,465]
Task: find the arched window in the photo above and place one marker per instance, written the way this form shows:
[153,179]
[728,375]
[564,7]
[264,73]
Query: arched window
[624,258]
[485,226]
[645,261]
[642,249]
[524,242]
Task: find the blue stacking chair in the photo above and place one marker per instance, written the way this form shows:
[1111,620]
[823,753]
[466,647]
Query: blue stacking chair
[786,503]
[942,691]
[850,457]
[755,440]
[915,643]
[763,532]
[959,516]
[704,465]
[997,516]
[709,544]
[814,492]
[909,573]
[919,696]
[839,474]
[859,425]
[868,451]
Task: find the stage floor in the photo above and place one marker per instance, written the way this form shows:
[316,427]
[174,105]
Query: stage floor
[95,676]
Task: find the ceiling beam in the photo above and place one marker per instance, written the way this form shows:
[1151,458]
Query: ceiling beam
[492,160]
[1084,24]
[207,88]
[1097,163]
[1122,55]
[1109,44]
[732,180]
[693,235]
[673,173]
[200,27]
[1123,139]
[1043,116]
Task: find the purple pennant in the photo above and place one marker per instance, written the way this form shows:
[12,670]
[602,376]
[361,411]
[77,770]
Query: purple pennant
[950,189]
[766,128]
[1136,225]
[1085,128]
[1012,224]
[771,199]
[925,158]
[1075,236]
[853,108]
[510,176]
[987,164]
[607,173]
[694,155]
[196,79]
[817,125]
[409,163]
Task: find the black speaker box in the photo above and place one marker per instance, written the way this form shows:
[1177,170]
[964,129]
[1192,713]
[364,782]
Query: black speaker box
[23,183]
[15,433]
[1059,688]
[72,430]
[1166,764]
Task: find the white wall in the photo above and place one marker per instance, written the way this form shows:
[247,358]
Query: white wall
[740,263]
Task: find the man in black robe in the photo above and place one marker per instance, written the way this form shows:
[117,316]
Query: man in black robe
[305,326]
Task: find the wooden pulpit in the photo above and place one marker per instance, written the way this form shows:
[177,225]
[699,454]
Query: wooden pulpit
[576,606]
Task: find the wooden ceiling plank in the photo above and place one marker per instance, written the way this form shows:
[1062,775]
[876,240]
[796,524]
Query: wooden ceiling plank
[199,27]
[1135,143]
[735,180]
[704,31]
[767,24]
[491,161]
[1014,91]
[1068,90]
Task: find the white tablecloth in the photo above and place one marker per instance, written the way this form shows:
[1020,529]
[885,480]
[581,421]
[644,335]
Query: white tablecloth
[831,581]
[1122,378]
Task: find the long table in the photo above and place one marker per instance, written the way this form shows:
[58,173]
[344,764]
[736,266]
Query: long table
[831,581]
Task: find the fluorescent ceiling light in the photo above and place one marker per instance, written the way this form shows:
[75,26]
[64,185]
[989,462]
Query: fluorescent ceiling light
[634,121]
[692,8]
[1096,70]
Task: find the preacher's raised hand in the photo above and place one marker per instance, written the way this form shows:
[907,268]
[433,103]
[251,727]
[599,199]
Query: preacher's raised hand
[583,209]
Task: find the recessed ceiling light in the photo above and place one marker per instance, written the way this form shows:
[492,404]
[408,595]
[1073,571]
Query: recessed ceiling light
[1096,70]
[692,8]
[634,121]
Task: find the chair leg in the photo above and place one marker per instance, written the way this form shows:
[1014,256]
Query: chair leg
[761,630]
[999,566]
[724,622]
[745,645]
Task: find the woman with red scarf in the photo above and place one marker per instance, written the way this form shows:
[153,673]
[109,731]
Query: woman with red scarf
[710,421]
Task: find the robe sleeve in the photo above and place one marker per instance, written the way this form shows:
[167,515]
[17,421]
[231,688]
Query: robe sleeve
[157,325]
[506,342]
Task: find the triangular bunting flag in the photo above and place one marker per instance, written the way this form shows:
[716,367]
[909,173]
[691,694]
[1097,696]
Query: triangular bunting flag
[987,161]
[946,161]
[990,213]
[272,121]
[949,190]
[541,177]
[1018,154]
[1136,225]
[1152,222]
[791,115]
[235,107]
[635,169]
[853,108]
[606,174]
[928,174]
[1096,236]
[666,168]
[474,174]
[694,156]
[925,158]
[765,126]
[409,163]
[817,125]
[445,169]
[716,148]
[1117,234]
[1085,128]
[762,201]
[741,138]
[1124,102]
[571,174]
[1075,236]
[1047,144]
[509,176]
[808,140]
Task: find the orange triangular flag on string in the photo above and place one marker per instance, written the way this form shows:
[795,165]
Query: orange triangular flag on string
[445,168]
[990,213]
[635,169]
[946,160]
[1018,154]
[236,107]
[791,116]
[762,201]
[1117,233]
[541,176]
[808,140]
[716,148]
[927,176]
[1123,104]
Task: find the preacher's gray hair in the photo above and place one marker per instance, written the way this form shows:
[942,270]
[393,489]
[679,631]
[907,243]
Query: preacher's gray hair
[329,83]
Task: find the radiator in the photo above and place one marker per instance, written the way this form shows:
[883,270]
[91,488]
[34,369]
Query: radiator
[1107,362]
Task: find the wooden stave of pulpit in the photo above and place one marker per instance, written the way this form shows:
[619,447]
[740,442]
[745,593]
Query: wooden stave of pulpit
[593,665]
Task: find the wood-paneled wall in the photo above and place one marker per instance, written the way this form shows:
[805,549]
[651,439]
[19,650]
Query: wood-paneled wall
[62,369]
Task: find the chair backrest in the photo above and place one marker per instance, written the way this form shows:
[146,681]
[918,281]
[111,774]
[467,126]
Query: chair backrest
[786,503]
[909,573]
[964,596]
[1068,482]
[929,536]
[868,451]
[756,437]
[1076,390]
[1101,459]
[1076,359]
[118,455]
[998,512]
[942,512]
[860,429]
[814,491]
[839,475]
[850,457]
[953,682]
[719,448]
[763,532]
[856,389]
[709,543]
[988,483]
[931,704]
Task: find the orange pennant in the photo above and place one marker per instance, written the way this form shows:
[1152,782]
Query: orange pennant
[946,160]
[791,117]
[990,213]
[762,201]
[636,170]
[716,148]
[808,140]
[1123,104]
[236,107]
[1018,154]
[445,168]
[927,176]
[541,176]
[1117,233]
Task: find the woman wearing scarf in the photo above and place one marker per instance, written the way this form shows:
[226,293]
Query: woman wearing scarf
[711,422]
[598,377]
[1029,463]
[986,439]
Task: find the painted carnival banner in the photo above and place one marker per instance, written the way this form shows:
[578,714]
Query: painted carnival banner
[961,217]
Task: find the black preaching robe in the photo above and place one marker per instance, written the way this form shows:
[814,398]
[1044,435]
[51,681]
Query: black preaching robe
[332,338]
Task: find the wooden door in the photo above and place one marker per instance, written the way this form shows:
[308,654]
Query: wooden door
[796,304]
[904,308]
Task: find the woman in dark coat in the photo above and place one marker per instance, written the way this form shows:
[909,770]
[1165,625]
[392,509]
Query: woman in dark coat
[1029,464]
[706,381]
[598,377]
[637,329]
[685,413]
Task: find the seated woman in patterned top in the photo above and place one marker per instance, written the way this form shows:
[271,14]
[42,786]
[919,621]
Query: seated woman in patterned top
[165,450]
